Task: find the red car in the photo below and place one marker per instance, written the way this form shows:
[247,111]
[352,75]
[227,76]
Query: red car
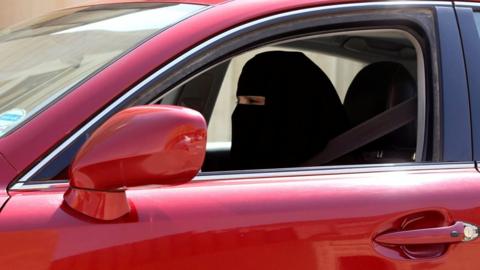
[214,134]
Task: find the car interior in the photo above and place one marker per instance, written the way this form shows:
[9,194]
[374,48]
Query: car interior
[314,89]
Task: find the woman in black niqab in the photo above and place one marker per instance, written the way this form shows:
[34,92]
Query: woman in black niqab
[301,112]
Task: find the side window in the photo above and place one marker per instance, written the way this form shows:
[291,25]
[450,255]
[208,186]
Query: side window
[340,71]
[317,101]
[311,102]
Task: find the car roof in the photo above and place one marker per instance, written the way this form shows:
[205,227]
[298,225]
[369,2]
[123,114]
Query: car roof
[202,2]
[272,5]
[214,2]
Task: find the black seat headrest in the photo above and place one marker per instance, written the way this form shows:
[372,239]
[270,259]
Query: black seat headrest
[302,112]
[375,89]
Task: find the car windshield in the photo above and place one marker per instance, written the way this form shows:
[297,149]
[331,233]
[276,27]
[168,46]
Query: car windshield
[43,59]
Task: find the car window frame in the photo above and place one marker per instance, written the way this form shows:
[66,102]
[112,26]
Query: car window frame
[299,20]
[465,12]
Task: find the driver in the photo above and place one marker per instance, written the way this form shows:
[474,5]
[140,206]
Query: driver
[287,111]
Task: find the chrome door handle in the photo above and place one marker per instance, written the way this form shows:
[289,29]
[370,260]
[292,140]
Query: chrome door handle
[458,232]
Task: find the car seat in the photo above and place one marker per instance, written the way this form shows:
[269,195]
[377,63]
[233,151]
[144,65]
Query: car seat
[375,89]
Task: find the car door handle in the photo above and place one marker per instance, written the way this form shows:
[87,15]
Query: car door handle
[458,232]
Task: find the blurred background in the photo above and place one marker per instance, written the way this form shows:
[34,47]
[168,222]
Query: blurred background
[14,11]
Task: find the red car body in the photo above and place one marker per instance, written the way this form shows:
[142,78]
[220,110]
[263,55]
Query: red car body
[319,219]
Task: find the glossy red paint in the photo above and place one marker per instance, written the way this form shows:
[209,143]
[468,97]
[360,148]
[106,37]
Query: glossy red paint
[204,2]
[302,222]
[58,121]
[103,2]
[100,205]
[284,222]
[145,145]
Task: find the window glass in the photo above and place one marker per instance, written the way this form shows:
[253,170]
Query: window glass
[271,112]
[321,87]
[44,58]
[340,71]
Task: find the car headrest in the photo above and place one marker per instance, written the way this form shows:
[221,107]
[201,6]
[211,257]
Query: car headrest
[302,112]
[375,89]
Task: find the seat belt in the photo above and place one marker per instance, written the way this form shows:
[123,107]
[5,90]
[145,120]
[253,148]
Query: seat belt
[367,132]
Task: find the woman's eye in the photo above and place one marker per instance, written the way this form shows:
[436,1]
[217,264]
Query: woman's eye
[251,100]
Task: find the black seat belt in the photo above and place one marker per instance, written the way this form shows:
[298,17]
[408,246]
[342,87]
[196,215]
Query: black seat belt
[367,132]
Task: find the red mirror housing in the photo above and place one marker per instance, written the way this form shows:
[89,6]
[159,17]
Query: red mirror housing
[145,145]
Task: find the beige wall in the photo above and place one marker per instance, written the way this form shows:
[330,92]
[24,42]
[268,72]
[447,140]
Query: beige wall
[14,11]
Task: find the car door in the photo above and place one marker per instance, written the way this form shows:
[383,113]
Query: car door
[387,216]
[324,219]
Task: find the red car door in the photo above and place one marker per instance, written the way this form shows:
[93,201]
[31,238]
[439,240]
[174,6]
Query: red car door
[321,220]
[389,216]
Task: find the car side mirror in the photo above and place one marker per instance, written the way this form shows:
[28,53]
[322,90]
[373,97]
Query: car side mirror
[145,145]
